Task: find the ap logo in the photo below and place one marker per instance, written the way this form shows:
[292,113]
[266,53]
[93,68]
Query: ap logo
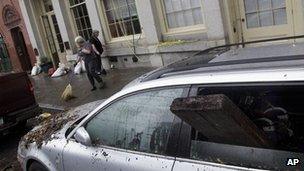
[292,162]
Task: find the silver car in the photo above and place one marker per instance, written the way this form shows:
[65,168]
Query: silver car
[238,117]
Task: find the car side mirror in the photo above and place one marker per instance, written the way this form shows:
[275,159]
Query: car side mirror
[82,136]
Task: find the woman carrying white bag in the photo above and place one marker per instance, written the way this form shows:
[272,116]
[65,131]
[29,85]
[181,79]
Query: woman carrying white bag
[79,67]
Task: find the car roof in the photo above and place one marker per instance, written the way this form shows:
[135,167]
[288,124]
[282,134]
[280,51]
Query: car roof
[222,77]
[227,59]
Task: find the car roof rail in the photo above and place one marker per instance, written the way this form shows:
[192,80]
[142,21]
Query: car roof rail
[183,65]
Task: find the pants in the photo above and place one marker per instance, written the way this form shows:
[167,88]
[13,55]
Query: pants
[91,72]
[98,63]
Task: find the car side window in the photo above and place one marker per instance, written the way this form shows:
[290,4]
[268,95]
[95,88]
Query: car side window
[243,126]
[140,122]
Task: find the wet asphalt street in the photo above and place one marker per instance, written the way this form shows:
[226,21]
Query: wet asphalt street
[48,91]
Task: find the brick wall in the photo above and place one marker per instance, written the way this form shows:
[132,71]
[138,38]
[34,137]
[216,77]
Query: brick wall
[10,18]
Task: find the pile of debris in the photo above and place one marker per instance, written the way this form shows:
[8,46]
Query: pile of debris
[49,125]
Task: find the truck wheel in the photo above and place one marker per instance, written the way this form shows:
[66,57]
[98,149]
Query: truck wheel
[35,166]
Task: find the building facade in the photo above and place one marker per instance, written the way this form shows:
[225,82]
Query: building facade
[16,52]
[155,32]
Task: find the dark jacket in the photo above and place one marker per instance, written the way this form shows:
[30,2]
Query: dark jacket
[95,41]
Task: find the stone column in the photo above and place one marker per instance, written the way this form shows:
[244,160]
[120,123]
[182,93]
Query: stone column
[58,7]
[149,22]
[96,25]
[94,18]
[28,26]
[213,19]
[59,16]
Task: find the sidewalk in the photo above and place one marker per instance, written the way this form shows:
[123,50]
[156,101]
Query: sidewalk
[48,90]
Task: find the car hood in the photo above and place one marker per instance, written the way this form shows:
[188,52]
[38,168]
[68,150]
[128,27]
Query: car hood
[56,126]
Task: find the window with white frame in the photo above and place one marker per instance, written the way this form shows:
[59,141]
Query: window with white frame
[262,13]
[81,17]
[122,17]
[183,13]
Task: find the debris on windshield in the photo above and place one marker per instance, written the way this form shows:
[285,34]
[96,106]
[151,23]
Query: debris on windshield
[48,127]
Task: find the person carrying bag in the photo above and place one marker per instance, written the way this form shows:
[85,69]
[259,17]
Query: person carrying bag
[98,49]
[86,52]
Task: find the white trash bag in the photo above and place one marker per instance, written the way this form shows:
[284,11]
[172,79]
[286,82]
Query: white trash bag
[59,72]
[83,66]
[34,71]
[77,69]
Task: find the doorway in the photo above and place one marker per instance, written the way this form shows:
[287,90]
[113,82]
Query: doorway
[21,49]
[52,32]
[50,39]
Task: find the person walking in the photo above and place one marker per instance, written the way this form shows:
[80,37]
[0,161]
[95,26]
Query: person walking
[86,52]
[97,47]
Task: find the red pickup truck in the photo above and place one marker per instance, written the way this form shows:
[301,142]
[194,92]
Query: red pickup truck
[17,100]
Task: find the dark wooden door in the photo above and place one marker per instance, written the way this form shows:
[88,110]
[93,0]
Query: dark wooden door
[21,50]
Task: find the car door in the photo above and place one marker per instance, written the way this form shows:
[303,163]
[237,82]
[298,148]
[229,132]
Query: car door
[241,127]
[136,132]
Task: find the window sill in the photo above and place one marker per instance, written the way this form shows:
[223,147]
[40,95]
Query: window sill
[125,38]
[186,30]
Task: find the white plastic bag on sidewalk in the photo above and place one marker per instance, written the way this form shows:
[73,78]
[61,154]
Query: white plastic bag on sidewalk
[78,68]
[34,71]
[59,72]
[83,66]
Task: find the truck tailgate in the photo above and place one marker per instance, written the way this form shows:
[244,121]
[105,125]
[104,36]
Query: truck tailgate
[15,93]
